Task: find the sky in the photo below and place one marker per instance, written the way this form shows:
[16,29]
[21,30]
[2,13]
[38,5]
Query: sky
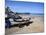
[25,7]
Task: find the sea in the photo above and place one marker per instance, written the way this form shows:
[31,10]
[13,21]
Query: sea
[37,14]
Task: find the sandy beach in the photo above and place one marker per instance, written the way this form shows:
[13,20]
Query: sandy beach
[36,27]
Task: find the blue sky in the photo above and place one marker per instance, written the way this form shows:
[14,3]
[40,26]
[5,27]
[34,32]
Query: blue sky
[25,7]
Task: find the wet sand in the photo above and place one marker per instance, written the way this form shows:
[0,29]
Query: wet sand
[36,26]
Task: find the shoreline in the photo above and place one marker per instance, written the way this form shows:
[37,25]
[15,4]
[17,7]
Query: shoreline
[36,26]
